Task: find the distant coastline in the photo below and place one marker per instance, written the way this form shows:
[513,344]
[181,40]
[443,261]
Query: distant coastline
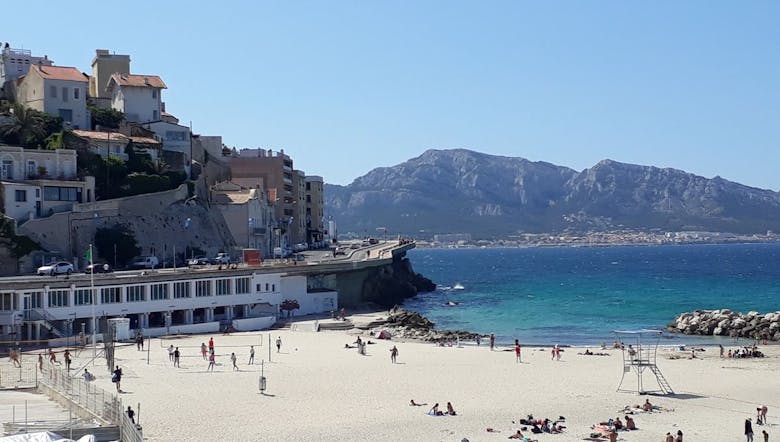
[607,239]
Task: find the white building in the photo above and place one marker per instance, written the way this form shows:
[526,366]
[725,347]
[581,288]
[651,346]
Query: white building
[115,143]
[14,64]
[157,303]
[174,138]
[138,96]
[36,183]
[56,90]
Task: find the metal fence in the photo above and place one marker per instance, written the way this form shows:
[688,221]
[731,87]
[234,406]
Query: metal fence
[24,376]
[105,405]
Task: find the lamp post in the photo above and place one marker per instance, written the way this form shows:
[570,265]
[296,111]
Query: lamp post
[249,232]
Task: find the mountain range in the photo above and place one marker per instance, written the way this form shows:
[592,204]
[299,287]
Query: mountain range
[462,191]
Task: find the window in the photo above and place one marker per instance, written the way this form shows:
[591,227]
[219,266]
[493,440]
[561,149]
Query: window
[181,290]
[83,297]
[34,300]
[76,93]
[266,286]
[242,286]
[7,302]
[175,135]
[273,287]
[136,293]
[154,93]
[31,169]
[53,91]
[154,115]
[7,170]
[51,193]
[66,114]
[223,287]
[159,291]
[110,295]
[37,193]
[64,94]
[58,298]
[203,288]
[21,196]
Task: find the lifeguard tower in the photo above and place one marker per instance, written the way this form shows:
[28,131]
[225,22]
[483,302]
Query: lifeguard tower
[640,348]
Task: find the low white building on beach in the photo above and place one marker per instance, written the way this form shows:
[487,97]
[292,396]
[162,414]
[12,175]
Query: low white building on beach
[157,303]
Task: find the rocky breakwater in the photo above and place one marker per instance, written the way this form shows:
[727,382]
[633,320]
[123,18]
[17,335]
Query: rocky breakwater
[391,284]
[406,324]
[727,323]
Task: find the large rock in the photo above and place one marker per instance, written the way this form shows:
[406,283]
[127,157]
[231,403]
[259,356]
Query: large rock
[726,322]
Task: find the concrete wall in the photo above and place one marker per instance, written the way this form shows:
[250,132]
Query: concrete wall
[205,327]
[254,323]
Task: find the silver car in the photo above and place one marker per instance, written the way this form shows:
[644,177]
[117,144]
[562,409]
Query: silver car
[56,268]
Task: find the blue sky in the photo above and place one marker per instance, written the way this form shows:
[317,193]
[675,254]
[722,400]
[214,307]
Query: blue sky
[351,85]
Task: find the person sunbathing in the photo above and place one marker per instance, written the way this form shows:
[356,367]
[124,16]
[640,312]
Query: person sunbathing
[630,424]
[435,410]
[647,406]
[415,404]
[450,410]
[517,435]
[618,424]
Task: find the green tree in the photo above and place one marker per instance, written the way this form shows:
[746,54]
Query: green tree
[106,118]
[119,236]
[26,128]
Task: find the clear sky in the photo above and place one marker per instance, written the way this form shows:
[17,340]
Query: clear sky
[346,86]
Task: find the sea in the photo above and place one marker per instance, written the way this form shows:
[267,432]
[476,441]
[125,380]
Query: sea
[582,295]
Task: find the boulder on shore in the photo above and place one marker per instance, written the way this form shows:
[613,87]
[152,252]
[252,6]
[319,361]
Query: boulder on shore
[724,322]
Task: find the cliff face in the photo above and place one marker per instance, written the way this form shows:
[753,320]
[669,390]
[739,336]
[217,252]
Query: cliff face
[459,190]
[390,285]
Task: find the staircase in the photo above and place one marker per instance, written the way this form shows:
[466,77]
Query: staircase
[42,316]
[662,382]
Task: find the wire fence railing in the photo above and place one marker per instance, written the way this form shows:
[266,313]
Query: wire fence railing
[99,403]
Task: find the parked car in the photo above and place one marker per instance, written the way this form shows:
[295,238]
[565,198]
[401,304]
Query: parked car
[354,245]
[281,252]
[98,268]
[340,251]
[221,258]
[198,261]
[373,241]
[144,262]
[56,268]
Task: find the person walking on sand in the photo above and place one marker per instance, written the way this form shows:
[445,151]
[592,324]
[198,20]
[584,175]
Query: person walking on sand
[131,414]
[170,353]
[212,362]
[203,350]
[13,355]
[88,377]
[517,352]
[68,360]
[278,344]
[211,345]
[233,360]
[749,429]
[117,379]
[176,356]
[492,341]
[764,409]
[393,354]
[40,362]
[251,355]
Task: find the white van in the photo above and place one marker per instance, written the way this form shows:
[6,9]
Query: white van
[145,262]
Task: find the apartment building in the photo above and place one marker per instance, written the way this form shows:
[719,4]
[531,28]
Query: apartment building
[104,66]
[315,212]
[36,183]
[56,90]
[138,96]
[14,64]
[247,213]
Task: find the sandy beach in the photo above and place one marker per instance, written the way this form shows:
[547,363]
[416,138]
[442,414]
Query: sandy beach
[318,390]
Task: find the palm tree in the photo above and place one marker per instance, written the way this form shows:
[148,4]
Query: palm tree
[26,127]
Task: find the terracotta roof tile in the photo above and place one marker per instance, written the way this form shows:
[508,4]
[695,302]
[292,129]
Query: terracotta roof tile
[139,80]
[59,73]
[144,140]
[101,136]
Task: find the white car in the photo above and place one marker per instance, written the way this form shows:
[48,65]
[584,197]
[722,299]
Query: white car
[56,268]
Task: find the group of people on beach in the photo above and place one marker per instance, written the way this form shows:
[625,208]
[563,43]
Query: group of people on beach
[745,352]
[434,411]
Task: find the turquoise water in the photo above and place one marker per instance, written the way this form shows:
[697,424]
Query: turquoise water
[580,295]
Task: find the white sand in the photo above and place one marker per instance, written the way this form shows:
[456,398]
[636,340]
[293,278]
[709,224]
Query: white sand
[317,390]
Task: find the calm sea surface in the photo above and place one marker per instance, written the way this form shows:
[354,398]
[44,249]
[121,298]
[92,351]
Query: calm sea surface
[580,295]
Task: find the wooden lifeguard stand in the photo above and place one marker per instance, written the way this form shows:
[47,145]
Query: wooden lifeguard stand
[640,348]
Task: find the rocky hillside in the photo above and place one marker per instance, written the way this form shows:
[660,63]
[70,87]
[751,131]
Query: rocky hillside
[448,191]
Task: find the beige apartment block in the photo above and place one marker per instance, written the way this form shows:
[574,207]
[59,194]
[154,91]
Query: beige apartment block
[248,215]
[56,90]
[104,65]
